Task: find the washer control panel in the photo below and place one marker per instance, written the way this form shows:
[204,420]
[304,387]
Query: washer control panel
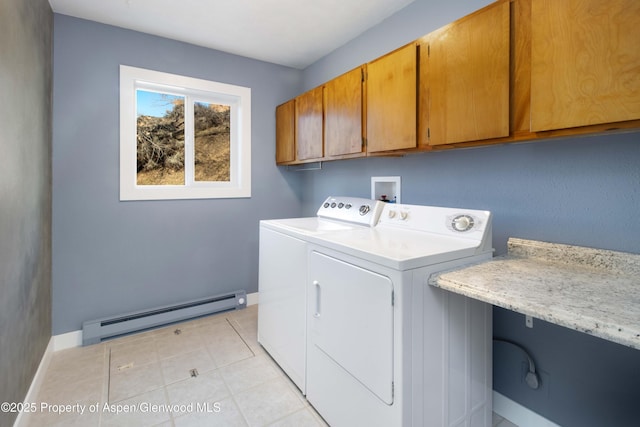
[351,209]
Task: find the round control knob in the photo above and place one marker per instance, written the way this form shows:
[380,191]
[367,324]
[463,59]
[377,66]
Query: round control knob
[364,209]
[392,214]
[326,205]
[404,215]
[340,205]
[348,206]
[462,223]
[333,205]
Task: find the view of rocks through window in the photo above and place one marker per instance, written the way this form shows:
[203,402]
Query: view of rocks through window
[161,143]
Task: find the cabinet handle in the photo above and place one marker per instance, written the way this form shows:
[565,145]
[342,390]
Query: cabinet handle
[317,286]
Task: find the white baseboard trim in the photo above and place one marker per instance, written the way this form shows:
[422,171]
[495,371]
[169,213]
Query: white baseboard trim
[252,299]
[69,340]
[36,383]
[518,414]
[74,338]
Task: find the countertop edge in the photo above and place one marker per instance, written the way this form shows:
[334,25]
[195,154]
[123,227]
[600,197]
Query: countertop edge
[596,328]
[553,259]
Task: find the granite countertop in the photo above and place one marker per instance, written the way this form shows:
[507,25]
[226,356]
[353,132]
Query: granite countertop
[590,290]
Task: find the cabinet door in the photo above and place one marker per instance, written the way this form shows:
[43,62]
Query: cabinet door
[585,62]
[391,100]
[309,126]
[343,114]
[465,78]
[285,132]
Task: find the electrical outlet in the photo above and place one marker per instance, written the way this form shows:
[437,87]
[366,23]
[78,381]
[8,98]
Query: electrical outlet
[544,379]
[528,321]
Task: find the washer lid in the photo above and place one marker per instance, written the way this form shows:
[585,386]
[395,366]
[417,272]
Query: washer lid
[335,214]
[308,226]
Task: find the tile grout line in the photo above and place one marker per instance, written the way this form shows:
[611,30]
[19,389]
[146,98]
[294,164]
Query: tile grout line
[108,382]
[172,418]
[109,378]
[217,368]
[240,336]
[281,376]
[231,394]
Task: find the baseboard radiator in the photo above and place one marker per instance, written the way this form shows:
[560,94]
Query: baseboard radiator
[94,331]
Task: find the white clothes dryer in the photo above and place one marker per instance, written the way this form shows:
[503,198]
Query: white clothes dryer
[386,349]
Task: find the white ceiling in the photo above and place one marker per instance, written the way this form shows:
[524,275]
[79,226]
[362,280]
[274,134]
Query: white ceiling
[295,33]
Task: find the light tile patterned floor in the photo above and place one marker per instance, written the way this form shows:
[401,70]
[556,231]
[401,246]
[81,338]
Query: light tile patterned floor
[206,372]
[151,376]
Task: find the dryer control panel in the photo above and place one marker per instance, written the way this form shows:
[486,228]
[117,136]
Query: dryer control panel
[467,223]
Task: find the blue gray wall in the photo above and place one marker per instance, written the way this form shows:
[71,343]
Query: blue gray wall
[582,191]
[26,29]
[112,257]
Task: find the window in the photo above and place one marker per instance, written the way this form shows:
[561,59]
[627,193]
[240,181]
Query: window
[183,138]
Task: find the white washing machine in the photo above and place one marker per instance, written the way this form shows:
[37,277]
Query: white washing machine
[386,349]
[283,275]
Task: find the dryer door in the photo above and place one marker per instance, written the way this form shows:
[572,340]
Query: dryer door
[351,312]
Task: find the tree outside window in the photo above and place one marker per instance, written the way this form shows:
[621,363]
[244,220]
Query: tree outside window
[183,137]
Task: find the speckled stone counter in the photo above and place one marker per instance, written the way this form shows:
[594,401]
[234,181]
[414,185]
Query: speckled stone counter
[590,290]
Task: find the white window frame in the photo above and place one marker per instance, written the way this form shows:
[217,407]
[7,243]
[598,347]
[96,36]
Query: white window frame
[238,97]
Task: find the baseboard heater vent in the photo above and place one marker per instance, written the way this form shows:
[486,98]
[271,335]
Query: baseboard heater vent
[94,331]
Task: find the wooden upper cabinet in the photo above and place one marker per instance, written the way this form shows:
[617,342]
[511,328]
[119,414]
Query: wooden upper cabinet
[343,115]
[285,132]
[391,100]
[309,125]
[585,62]
[464,79]
[515,70]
